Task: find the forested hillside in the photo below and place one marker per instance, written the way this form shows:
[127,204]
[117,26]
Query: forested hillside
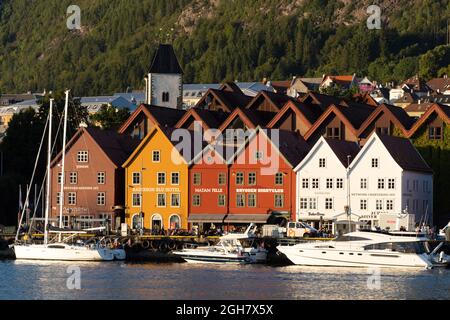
[216,40]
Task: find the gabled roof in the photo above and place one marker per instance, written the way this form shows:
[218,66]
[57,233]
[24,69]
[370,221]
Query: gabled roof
[277,100]
[442,111]
[161,116]
[165,61]
[116,147]
[439,84]
[291,146]
[210,119]
[365,98]
[309,113]
[187,154]
[341,148]
[342,80]
[281,86]
[402,151]
[403,121]
[408,97]
[323,100]
[415,83]
[224,151]
[418,107]
[229,99]
[251,118]
[351,116]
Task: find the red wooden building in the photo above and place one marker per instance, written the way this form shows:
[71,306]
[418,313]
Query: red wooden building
[262,181]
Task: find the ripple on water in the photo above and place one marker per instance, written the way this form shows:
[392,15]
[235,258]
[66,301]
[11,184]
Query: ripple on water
[118,280]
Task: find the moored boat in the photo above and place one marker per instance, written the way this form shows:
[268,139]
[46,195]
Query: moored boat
[362,249]
[229,249]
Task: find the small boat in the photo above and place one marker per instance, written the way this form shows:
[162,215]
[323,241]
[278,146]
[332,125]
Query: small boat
[363,249]
[60,249]
[229,249]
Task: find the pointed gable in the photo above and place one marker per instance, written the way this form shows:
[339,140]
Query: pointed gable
[385,119]
[145,117]
[209,119]
[322,101]
[401,150]
[436,115]
[223,99]
[295,116]
[289,145]
[339,122]
[269,101]
[344,151]
[116,147]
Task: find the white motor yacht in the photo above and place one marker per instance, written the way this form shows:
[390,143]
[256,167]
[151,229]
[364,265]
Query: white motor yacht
[362,249]
[229,249]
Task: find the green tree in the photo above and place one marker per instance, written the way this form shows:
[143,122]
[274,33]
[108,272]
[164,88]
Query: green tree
[109,117]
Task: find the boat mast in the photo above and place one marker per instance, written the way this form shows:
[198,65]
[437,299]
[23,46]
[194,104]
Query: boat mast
[49,157]
[61,199]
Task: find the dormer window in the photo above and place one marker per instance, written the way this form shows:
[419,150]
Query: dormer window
[165,97]
[334,133]
[435,133]
[383,130]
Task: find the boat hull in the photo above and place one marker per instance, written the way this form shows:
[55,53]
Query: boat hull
[65,253]
[340,258]
[193,256]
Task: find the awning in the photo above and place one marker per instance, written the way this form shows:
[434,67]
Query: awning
[206,218]
[247,218]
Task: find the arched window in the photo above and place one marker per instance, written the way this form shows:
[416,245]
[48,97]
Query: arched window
[157,223]
[175,222]
[137,222]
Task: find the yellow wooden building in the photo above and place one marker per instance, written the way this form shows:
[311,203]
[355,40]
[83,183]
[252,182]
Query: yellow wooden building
[156,183]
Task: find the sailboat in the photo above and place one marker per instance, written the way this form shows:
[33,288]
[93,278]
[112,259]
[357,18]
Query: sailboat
[61,250]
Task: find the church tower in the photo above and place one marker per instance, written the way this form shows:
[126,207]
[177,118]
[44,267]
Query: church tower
[164,82]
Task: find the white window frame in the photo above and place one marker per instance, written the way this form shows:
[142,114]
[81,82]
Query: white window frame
[161,196]
[72,198]
[101,195]
[134,197]
[135,175]
[177,174]
[172,198]
[156,152]
[101,177]
[73,177]
[83,156]
[163,175]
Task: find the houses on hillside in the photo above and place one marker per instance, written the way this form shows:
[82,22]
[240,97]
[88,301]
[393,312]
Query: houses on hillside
[266,152]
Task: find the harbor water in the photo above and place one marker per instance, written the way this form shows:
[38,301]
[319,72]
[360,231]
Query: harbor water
[119,280]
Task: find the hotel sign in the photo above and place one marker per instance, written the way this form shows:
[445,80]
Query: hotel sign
[159,189]
[265,190]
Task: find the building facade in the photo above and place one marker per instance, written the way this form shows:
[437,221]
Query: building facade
[322,183]
[93,179]
[156,184]
[391,184]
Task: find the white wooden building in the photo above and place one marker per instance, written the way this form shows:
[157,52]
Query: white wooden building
[322,188]
[391,184]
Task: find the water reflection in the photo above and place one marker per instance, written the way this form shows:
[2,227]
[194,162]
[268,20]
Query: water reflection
[118,280]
